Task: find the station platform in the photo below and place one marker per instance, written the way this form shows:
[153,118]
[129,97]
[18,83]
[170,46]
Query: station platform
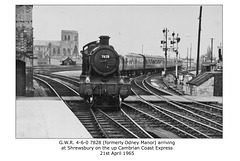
[153,98]
[46,117]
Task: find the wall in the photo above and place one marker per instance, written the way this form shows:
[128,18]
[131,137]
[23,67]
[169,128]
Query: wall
[24,47]
[20,78]
[205,89]
[218,85]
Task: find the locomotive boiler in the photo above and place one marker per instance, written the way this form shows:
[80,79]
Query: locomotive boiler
[101,84]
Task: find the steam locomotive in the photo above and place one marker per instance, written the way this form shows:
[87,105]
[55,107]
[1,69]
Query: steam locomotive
[104,81]
[100,82]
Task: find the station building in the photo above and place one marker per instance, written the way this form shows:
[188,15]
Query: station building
[206,84]
[54,52]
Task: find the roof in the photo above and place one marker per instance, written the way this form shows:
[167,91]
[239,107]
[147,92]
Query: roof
[66,59]
[200,79]
[45,43]
[140,55]
[69,31]
[203,77]
[133,55]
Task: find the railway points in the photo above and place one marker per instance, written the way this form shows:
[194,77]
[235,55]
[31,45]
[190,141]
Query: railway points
[75,103]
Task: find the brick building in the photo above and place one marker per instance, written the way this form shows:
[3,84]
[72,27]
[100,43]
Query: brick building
[24,50]
[206,84]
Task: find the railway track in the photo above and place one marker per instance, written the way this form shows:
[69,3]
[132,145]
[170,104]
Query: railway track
[162,84]
[61,89]
[121,118]
[138,87]
[207,116]
[70,81]
[107,124]
[206,123]
[100,124]
[154,125]
[213,109]
[87,118]
[205,111]
[143,119]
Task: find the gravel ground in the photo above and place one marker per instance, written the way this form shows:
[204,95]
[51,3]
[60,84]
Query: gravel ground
[41,90]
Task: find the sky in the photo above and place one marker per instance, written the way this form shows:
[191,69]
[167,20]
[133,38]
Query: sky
[132,28]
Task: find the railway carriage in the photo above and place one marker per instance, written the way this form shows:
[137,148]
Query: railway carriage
[135,64]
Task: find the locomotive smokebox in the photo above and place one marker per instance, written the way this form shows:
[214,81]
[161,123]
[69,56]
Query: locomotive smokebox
[104,40]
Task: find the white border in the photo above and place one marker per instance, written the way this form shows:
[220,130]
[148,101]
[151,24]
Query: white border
[45,149]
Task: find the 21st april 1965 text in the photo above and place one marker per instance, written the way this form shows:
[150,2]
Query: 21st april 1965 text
[117,147]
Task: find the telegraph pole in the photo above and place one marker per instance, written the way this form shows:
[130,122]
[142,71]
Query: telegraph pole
[199,35]
[187,59]
[165,67]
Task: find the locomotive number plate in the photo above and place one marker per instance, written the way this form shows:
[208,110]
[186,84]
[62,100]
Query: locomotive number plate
[105,56]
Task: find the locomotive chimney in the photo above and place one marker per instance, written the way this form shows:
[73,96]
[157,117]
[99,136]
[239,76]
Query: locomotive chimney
[104,40]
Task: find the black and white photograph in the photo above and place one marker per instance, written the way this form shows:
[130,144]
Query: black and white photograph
[128,71]
[131,81]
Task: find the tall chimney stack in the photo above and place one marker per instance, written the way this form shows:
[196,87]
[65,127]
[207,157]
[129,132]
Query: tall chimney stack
[104,40]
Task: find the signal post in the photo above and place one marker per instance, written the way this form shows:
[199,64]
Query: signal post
[165,48]
[175,40]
